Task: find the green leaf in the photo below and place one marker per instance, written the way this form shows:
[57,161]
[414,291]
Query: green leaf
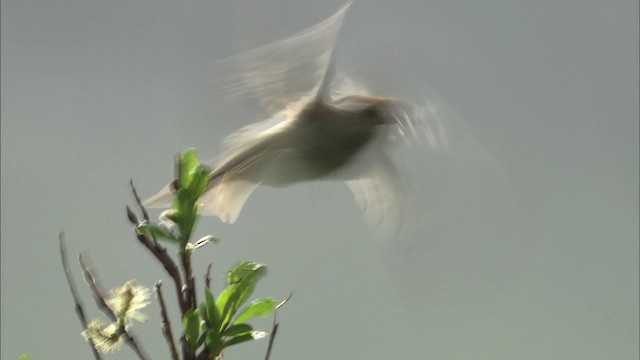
[261,307]
[202,338]
[202,311]
[192,178]
[237,329]
[24,357]
[185,213]
[191,325]
[218,313]
[187,165]
[246,270]
[227,302]
[214,343]
[241,279]
[156,232]
[199,181]
[212,312]
[182,203]
[254,335]
[245,275]
[205,325]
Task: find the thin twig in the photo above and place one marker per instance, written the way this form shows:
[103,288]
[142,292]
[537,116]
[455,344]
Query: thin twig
[205,353]
[145,214]
[207,276]
[160,253]
[276,324]
[166,325]
[76,299]
[94,285]
[133,218]
[98,295]
[169,265]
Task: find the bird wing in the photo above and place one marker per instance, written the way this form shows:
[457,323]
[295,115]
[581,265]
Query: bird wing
[249,154]
[380,192]
[160,200]
[226,199]
[278,76]
[283,72]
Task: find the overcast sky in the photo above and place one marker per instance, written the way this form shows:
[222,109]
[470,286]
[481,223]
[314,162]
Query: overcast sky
[524,239]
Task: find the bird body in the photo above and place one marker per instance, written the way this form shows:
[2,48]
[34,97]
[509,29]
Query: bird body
[314,137]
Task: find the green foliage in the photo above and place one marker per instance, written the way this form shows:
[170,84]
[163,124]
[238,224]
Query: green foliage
[192,181]
[261,307]
[219,322]
[157,232]
[241,280]
[191,325]
[178,222]
[222,322]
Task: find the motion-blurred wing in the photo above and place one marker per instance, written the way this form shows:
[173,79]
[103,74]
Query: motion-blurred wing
[160,200]
[284,72]
[380,193]
[226,199]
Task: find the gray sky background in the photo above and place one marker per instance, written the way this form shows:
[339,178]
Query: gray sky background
[525,239]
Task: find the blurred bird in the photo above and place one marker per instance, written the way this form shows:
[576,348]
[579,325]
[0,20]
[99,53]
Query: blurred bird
[318,130]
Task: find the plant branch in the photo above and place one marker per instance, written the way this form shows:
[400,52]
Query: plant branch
[98,295]
[166,325]
[74,292]
[276,324]
[145,214]
[190,293]
[160,253]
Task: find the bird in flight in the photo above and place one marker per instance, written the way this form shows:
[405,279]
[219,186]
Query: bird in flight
[321,126]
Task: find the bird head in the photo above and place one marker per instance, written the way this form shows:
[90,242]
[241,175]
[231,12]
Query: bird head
[373,110]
